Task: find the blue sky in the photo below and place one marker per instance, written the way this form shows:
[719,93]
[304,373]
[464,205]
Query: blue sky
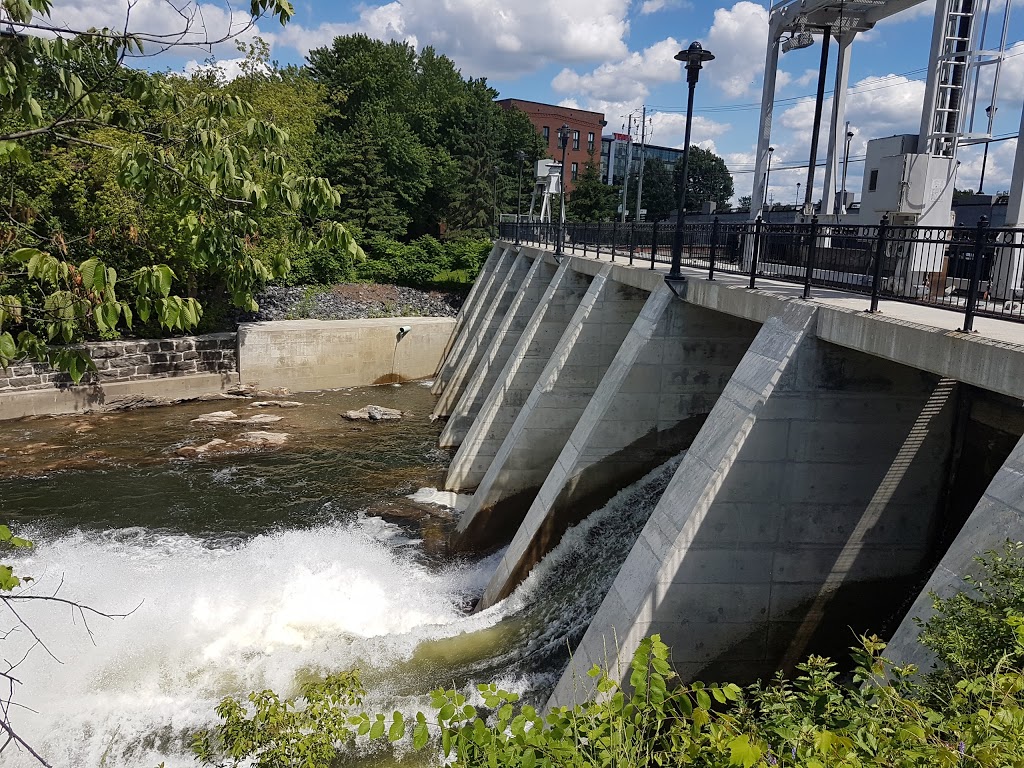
[616,55]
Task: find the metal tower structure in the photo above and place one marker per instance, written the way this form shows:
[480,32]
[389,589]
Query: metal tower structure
[922,190]
[547,186]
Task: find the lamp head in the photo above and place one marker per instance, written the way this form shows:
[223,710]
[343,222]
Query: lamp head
[694,57]
[563,135]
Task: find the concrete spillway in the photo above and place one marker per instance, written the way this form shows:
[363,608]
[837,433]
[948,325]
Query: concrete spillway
[828,452]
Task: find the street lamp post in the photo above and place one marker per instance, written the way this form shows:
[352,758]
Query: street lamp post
[846,162]
[694,56]
[767,178]
[495,170]
[991,112]
[520,158]
[797,201]
[563,140]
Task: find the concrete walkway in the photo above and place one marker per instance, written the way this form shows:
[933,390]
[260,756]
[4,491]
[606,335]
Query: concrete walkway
[936,317]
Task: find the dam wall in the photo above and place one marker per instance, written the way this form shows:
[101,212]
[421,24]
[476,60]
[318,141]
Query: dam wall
[830,457]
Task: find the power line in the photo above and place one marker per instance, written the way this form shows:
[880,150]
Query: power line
[750,106]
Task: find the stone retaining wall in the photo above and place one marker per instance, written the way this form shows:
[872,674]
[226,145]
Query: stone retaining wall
[135,360]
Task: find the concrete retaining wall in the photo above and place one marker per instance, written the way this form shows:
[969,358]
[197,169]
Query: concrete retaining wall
[134,360]
[305,355]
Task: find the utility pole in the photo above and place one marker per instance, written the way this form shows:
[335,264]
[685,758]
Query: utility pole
[643,158]
[629,162]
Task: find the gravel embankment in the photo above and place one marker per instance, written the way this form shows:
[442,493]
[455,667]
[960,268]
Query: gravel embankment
[350,301]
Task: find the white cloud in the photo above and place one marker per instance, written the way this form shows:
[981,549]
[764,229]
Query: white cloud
[627,79]
[490,37]
[737,39]
[653,6]
[668,129]
[196,26]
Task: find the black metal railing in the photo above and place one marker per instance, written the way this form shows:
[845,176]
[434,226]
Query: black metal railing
[978,271]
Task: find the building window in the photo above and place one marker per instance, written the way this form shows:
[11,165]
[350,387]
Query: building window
[575,170]
[576,140]
[873,181]
[590,142]
[546,130]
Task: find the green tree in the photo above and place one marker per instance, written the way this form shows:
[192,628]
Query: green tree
[710,180]
[191,159]
[659,198]
[592,199]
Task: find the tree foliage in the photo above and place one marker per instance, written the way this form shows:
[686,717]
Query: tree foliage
[412,143]
[121,187]
[710,180]
[591,199]
[659,198]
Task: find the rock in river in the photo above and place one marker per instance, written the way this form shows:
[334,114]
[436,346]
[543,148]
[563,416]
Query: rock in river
[373,413]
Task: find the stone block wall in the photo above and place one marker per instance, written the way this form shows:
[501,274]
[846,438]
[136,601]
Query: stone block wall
[134,360]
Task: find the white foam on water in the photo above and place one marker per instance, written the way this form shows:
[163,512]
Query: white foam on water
[451,499]
[210,622]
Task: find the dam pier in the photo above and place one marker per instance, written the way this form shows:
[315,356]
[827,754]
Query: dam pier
[831,456]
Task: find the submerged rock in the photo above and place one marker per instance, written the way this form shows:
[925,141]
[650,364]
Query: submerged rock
[264,439]
[214,446]
[275,404]
[373,413]
[216,417]
[260,418]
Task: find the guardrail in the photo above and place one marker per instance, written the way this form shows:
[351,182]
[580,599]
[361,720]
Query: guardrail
[977,271]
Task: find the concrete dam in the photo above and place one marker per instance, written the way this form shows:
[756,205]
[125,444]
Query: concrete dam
[833,460]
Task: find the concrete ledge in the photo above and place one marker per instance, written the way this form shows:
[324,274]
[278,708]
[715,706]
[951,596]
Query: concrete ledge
[972,359]
[51,402]
[305,355]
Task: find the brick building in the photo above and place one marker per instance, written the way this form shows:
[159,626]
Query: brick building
[584,137]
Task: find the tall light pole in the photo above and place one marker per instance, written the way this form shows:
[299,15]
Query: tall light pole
[495,171]
[694,56]
[797,202]
[563,140]
[846,162]
[520,158]
[767,177]
[991,112]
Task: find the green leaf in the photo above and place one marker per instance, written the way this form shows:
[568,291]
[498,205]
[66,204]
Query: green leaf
[397,729]
[8,349]
[742,752]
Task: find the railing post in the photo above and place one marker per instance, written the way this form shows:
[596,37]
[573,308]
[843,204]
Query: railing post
[597,245]
[654,241]
[812,252]
[876,275]
[615,228]
[632,241]
[757,249]
[586,238]
[714,249]
[975,284]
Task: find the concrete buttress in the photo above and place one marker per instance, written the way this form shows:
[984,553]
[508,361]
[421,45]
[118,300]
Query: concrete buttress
[550,413]
[516,380]
[490,284]
[502,345]
[476,346]
[472,297]
[818,471]
[666,377]
[998,517]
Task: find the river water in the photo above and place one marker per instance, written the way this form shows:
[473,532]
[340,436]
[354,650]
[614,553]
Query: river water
[262,569]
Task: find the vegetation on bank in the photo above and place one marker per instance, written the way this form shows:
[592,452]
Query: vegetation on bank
[136,202]
[968,711]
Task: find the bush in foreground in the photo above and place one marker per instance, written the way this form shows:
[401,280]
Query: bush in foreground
[880,717]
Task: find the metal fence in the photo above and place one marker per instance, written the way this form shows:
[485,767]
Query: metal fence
[977,271]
